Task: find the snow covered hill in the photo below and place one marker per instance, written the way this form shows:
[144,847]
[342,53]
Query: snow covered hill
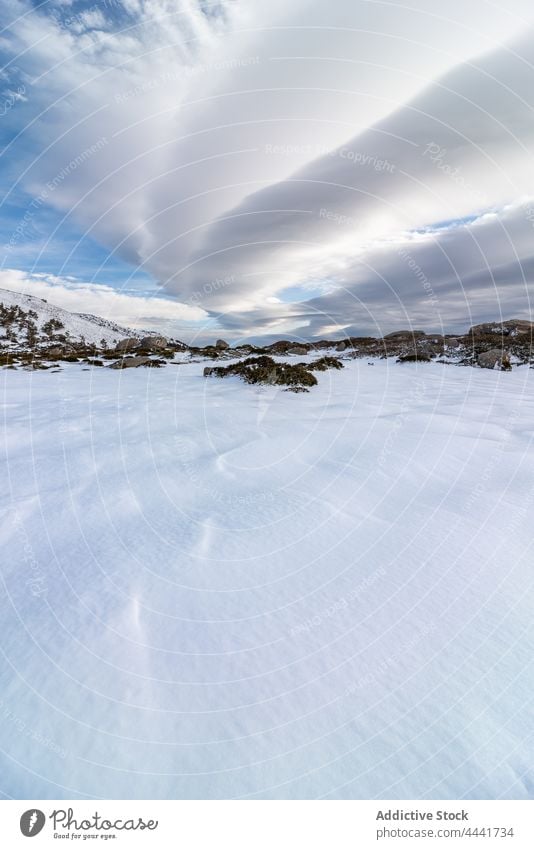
[215,590]
[21,315]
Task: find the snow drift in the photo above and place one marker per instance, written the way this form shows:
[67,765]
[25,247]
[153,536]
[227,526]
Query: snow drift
[212,590]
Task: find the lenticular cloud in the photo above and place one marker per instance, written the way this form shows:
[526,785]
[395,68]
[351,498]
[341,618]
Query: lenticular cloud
[231,144]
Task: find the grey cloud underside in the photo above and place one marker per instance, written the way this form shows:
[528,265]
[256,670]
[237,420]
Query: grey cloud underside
[441,281]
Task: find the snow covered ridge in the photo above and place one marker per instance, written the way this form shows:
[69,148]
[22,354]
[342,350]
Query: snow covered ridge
[20,314]
[36,334]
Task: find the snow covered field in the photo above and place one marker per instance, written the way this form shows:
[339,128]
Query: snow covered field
[211,590]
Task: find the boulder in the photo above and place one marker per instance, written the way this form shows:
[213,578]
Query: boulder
[428,346]
[341,346]
[54,353]
[280,347]
[495,358]
[209,370]
[221,345]
[129,344]
[134,362]
[154,343]
[298,350]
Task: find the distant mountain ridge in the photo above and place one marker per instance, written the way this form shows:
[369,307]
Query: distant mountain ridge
[35,333]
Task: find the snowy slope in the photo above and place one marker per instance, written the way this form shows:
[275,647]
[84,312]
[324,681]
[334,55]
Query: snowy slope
[90,327]
[211,590]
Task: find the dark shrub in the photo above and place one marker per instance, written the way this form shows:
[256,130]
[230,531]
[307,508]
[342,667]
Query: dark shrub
[415,358]
[297,377]
[325,363]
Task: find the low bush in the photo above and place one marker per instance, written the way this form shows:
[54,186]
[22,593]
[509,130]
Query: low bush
[296,377]
[415,358]
[324,363]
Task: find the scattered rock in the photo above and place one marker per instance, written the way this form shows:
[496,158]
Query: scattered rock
[154,343]
[429,347]
[280,347]
[54,353]
[127,345]
[495,358]
[135,362]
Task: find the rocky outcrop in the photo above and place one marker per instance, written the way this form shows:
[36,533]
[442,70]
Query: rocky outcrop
[404,335]
[298,350]
[511,327]
[221,345]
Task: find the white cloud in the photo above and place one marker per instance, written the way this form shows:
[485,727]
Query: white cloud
[216,126]
[464,144]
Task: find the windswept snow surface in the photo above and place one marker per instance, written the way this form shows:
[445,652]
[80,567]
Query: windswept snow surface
[212,590]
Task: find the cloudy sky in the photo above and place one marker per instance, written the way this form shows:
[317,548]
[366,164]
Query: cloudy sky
[261,170]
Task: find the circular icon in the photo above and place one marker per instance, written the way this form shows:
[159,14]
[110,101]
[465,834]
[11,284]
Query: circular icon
[32,822]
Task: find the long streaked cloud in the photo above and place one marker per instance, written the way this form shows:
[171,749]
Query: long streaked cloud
[464,145]
[439,280]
